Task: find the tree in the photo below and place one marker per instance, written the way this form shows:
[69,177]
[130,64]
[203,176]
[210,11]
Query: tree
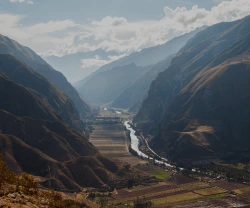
[131,183]
[103,201]
[142,203]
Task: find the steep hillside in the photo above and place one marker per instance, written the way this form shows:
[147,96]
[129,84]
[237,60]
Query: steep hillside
[205,100]
[29,57]
[189,61]
[23,102]
[34,140]
[108,85]
[24,75]
[134,95]
[210,118]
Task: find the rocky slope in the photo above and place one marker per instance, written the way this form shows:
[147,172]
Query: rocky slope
[189,61]
[30,58]
[198,107]
[34,139]
[22,74]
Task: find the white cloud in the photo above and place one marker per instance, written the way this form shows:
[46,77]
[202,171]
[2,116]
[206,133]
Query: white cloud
[51,26]
[93,62]
[120,35]
[21,1]
[98,62]
[116,33]
[110,21]
[39,36]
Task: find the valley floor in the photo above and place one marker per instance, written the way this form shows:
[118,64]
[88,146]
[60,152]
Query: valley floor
[173,189]
[112,142]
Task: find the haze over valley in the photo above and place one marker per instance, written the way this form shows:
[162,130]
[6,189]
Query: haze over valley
[125,103]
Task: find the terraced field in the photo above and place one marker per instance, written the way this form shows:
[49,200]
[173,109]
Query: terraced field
[181,191]
[111,141]
[174,190]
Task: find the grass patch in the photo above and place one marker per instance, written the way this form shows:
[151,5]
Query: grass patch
[128,203]
[239,166]
[160,174]
[216,196]
[210,191]
[177,198]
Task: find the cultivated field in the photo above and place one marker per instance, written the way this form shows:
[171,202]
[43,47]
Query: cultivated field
[174,190]
[181,191]
[210,191]
[111,141]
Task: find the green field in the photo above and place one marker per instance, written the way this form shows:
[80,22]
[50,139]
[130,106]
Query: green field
[160,174]
[210,191]
[216,196]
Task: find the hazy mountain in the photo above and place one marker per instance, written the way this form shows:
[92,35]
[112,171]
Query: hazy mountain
[29,57]
[92,88]
[72,67]
[198,107]
[107,86]
[135,94]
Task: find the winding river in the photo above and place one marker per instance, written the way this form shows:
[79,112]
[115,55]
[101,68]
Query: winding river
[135,146]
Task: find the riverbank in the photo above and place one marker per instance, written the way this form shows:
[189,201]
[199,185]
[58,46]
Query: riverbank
[135,147]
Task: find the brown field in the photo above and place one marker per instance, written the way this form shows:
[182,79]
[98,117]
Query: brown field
[177,198]
[181,179]
[195,186]
[229,186]
[225,202]
[111,141]
[128,194]
[210,191]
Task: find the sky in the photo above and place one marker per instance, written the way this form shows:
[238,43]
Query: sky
[63,27]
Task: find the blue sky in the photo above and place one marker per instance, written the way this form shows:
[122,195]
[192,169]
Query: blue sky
[54,26]
[63,27]
[82,10]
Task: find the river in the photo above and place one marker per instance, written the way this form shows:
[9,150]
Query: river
[135,146]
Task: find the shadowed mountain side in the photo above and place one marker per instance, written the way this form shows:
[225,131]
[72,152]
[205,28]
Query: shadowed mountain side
[23,102]
[201,49]
[210,118]
[29,57]
[24,75]
[35,140]
[64,158]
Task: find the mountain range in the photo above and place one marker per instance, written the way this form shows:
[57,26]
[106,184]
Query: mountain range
[71,65]
[31,59]
[197,109]
[134,71]
[42,133]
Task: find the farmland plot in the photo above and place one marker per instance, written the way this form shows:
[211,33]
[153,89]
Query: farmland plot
[111,141]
